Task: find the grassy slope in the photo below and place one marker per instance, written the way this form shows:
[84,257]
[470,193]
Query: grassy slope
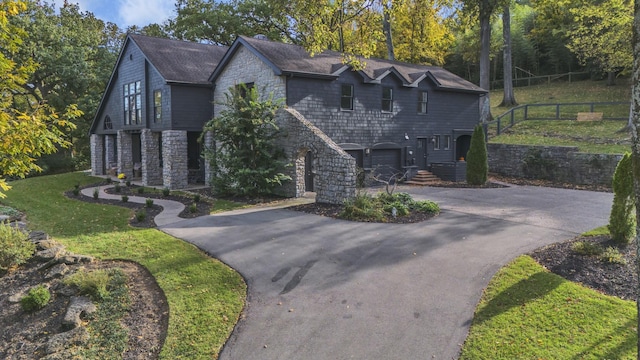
[205,296]
[527,312]
[594,137]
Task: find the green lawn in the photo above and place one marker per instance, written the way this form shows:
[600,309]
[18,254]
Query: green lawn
[527,312]
[205,296]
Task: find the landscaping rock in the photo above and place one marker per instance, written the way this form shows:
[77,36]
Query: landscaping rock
[57,271]
[4,218]
[79,305]
[59,342]
[46,244]
[72,259]
[38,236]
[50,254]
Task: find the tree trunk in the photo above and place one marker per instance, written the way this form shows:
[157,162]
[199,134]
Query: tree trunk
[386,28]
[635,102]
[485,48]
[611,78]
[509,98]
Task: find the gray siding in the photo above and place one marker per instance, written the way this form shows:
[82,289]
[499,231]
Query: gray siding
[190,107]
[369,127]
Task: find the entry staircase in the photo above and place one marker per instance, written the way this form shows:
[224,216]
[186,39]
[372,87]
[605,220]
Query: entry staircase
[423,178]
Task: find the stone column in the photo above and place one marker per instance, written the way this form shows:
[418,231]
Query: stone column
[125,155]
[151,170]
[208,145]
[175,173]
[110,154]
[97,154]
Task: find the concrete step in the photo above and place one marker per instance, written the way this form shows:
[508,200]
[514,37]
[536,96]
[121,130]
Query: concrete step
[423,178]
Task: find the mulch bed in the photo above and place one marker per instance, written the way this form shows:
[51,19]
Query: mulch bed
[333,211]
[612,279]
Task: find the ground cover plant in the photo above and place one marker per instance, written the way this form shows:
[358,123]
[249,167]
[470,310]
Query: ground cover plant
[205,296]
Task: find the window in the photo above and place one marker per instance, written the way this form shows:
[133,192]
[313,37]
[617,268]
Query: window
[346,99]
[132,103]
[157,106]
[108,125]
[387,99]
[447,142]
[245,89]
[436,142]
[422,102]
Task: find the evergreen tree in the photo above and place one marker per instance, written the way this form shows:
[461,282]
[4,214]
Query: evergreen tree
[477,164]
[245,159]
[622,221]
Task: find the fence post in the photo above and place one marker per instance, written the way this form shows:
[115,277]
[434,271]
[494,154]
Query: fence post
[512,117]
[557,111]
[498,131]
[526,112]
[485,126]
[591,107]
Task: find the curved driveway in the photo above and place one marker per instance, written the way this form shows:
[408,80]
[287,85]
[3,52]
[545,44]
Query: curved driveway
[321,288]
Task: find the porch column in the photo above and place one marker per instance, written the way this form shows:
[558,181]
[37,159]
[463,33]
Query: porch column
[109,153]
[175,172]
[97,154]
[125,154]
[151,171]
[208,145]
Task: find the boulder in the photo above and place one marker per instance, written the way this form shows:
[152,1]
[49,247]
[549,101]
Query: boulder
[79,305]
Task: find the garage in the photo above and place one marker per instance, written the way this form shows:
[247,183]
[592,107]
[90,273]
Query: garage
[386,163]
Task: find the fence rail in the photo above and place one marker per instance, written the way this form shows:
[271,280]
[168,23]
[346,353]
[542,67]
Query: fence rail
[567,111]
[541,79]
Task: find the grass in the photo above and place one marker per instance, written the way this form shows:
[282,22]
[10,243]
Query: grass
[205,296]
[592,137]
[527,312]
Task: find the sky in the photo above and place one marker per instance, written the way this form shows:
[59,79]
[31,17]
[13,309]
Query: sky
[127,12]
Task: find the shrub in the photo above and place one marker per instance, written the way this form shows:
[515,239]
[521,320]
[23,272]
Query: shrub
[36,299]
[118,188]
[96,194]
[613,256]
[128,183]
[141,215]
[363,207]
[15,246]
[426,206]
[125,198]
[166,191]
[108,180]
[477,164]
[9,211]
[622,220]
[401,208]
[586,248]
[76,186]
[91,283]
[140,190]
[193,208]
[149,202]
[196,198]
[76,192]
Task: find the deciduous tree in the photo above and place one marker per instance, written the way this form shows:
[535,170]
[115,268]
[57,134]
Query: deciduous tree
[29,127]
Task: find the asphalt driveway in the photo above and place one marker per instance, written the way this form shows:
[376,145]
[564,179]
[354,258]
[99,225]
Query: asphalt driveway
[321,288]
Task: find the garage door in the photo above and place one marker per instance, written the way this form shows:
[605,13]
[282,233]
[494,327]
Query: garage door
[386,162]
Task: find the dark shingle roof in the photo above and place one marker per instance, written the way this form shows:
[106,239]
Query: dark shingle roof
[295,59]
[180,61]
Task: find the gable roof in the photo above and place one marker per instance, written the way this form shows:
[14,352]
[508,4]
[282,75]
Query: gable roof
[180,61]
[288,59]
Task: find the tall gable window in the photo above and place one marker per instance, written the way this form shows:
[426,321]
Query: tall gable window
[387,99]
[157,106]
[245,88]
[346,99]
[132,103]
[422,102]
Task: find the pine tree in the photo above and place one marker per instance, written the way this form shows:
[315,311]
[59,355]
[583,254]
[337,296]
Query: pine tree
[622,220]
[477,164]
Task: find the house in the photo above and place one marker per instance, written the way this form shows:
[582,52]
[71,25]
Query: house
[153,110]
[388,117]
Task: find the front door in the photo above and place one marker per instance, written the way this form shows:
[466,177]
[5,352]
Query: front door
[421,153]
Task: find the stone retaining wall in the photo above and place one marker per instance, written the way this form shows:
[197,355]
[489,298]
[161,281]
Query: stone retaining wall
[555,163]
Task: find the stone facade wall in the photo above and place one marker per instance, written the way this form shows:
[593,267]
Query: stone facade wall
[151,170]
[111,163]
[335,170]
[174,156]
[247,68]
[125,155]
[97,154]
[208,143]
[556,163]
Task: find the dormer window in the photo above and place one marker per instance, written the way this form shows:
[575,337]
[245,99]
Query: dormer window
[387,99]
[346,98]
[422,102]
